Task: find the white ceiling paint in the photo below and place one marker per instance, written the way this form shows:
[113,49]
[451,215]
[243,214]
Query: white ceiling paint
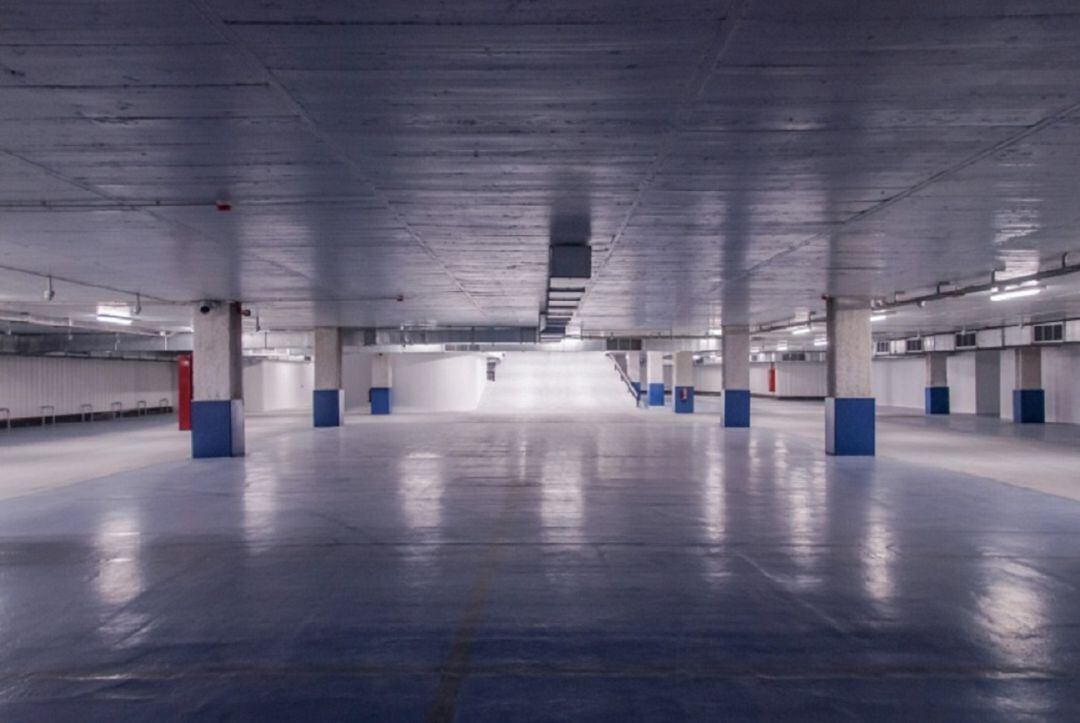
[728,161]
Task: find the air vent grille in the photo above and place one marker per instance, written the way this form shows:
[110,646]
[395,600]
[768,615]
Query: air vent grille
[1049,333]
[966,340]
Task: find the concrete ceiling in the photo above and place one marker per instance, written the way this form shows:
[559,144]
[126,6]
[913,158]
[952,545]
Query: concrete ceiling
[727,161]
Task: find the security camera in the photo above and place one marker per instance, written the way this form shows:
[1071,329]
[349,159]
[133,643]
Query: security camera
[207,306]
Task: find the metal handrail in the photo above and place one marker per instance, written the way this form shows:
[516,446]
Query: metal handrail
[86,410]
[140,408]
[164,403]
[51,413]
[626,379]
[7,416]
[116,408]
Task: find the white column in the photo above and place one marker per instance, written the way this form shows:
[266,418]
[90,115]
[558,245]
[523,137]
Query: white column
[654,373]
[682,382]
[849,407]
[937,383]
[1029,399]
[328,397]
[381,384]
[736,370]
[217,406]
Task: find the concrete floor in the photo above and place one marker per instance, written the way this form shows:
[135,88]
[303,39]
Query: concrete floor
[625,566]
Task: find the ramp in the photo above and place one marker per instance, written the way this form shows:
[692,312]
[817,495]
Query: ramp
[556,382]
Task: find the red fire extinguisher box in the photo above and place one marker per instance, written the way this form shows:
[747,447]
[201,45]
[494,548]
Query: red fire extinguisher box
[184,383]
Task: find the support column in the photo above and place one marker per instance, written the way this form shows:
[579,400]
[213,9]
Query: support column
[217,406]
[381,384]
[849,407]
[654,372]
[736,370]
[328,398]
[682,382]
[937,383]
[1029,399]
[633,371]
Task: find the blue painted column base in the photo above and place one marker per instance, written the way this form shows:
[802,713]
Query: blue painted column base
[937,400]
[328,407]
[849,426]
[380,400]
[217,428]
[656,394]
[683,400]
[736,407]
[1029,406]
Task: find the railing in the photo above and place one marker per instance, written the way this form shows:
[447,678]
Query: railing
[626,380]
[5,416]
[115,409]
[48,411]
[163,405]
[140,408]
[86,412]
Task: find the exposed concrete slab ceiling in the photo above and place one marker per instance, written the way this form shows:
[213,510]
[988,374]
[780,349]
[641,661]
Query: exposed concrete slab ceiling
[731,161]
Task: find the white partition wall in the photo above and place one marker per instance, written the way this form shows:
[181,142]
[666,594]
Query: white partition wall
[272,386]
[900,382]
[1061,377]
[962,383]
[438,382]
[66,383]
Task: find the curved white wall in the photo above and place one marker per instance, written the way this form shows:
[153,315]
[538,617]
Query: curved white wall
[437,382]
[271,385]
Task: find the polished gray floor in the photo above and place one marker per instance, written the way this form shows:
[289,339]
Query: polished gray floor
[543,567]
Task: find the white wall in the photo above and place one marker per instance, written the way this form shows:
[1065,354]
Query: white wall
[800,379]
[1008,381]
[709,378]
[27,382]
[435,382]
[438,382]
[356,379]
[271,385]
[900,382]
[759,379]
[961,370]
[793,379]
[1061,377]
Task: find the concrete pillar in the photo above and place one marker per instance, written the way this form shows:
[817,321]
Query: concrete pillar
[381,384]
[849,406]
[654,372]
[682,382]
[217,405]
[328,397]
[937,383]
[1029,399]
[633,371]
[736,370]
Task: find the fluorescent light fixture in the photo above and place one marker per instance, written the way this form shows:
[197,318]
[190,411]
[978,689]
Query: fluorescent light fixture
[110,319]
[801,330]
[878,317]
[1014,292]
[755,350]
[782,346]
[716,332]
[111,314]
[821,341]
